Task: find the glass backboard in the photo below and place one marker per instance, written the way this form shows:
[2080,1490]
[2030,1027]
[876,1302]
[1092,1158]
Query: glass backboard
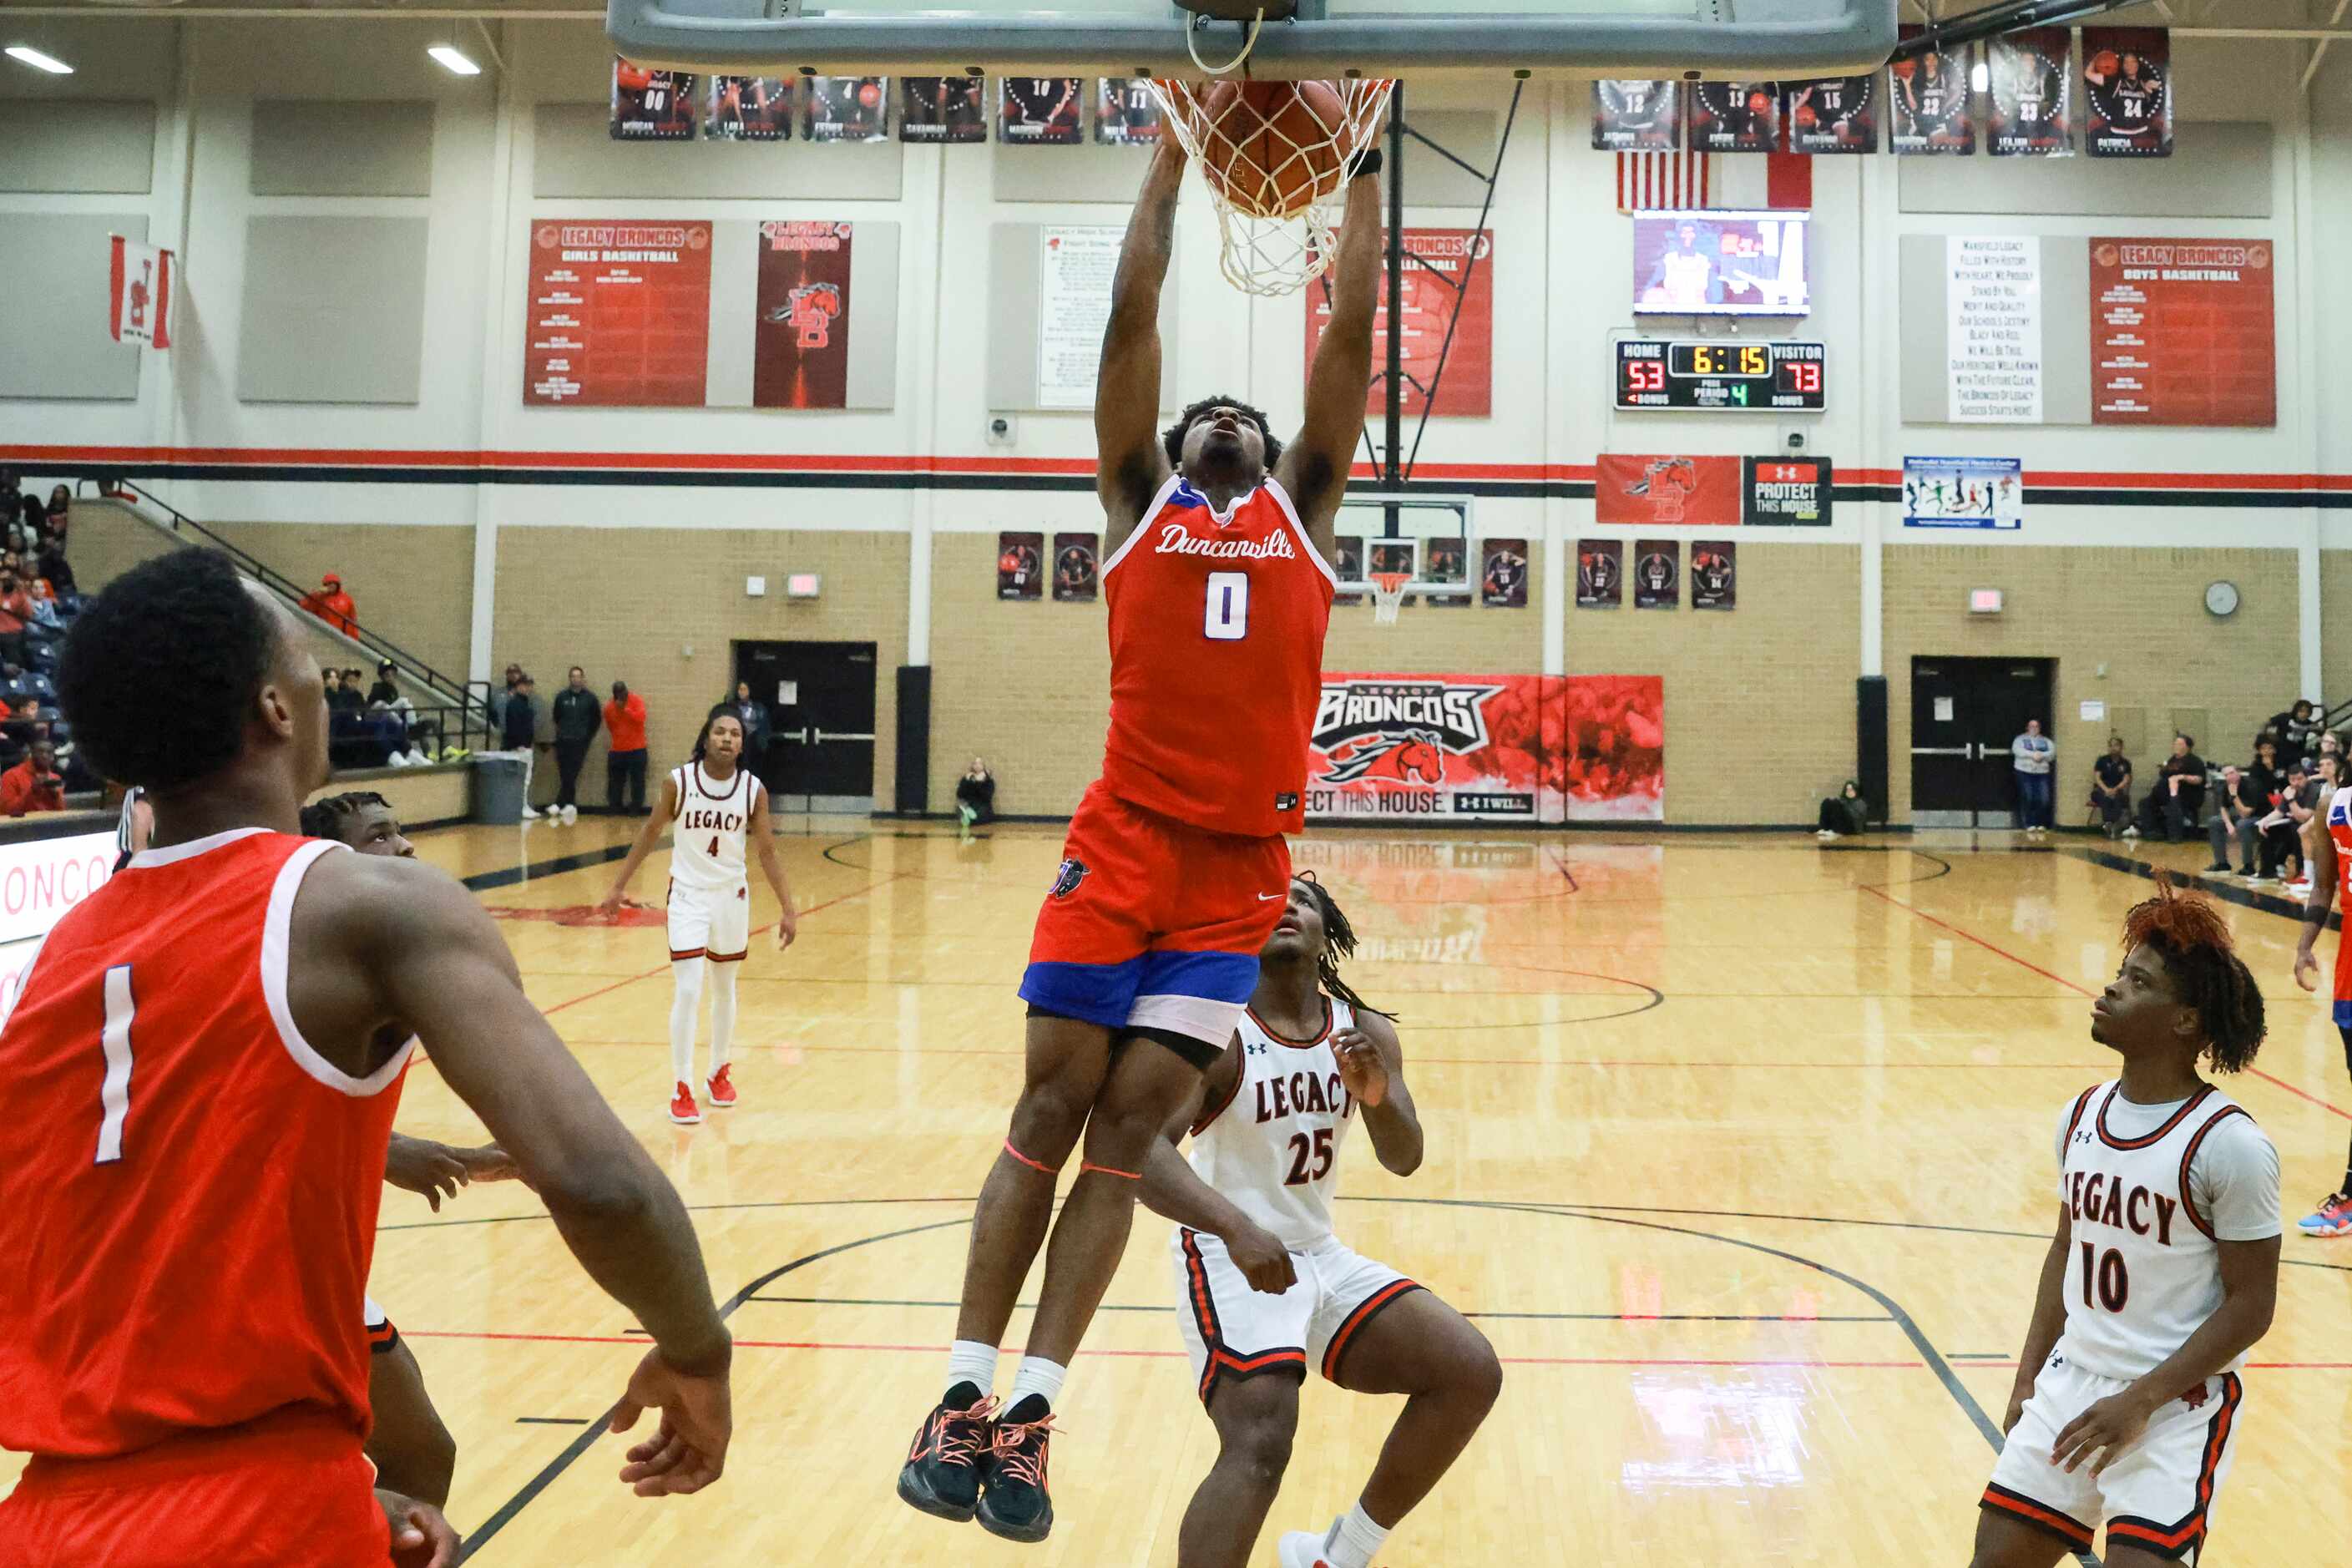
[1329,38]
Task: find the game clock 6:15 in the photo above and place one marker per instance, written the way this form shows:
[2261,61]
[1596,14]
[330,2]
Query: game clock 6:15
[1767,377]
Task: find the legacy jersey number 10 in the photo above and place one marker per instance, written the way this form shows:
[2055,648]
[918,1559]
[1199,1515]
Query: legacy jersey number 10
[1774,377]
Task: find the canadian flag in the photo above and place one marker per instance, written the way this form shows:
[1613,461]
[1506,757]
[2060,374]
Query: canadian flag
[140,294]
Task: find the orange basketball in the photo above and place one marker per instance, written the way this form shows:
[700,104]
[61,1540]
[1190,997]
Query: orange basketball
[1271,148]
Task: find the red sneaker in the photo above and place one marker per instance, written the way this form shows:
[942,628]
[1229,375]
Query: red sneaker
[682,1108]
[721,1093]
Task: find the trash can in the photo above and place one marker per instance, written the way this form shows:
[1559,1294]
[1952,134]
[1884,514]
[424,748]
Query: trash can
[497,787]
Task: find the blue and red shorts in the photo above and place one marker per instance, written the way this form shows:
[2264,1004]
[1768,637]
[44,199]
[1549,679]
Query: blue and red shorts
[1153,926]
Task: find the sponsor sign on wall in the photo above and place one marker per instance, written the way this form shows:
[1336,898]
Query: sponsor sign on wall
[1641,490]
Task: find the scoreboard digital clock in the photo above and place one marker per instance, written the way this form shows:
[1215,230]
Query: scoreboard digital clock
[1771,377]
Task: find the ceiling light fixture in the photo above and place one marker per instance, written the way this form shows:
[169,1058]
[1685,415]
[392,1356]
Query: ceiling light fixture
[452,60]
[37,60]
[1980,77]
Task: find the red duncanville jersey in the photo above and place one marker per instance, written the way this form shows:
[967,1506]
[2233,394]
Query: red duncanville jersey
[1216,660]
[188,1199]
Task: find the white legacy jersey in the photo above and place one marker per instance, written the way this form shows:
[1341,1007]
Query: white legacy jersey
[1273,1149]
[2144,1271]
[714,821]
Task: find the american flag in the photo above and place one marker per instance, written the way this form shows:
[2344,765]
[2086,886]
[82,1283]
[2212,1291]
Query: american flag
[1653,180]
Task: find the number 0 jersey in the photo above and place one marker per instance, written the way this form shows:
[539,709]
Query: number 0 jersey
[1216,660]
[714,821]
[188,1203]
[1273,1149]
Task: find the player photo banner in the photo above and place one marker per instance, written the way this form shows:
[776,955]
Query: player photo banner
[1449,287]
[1020,565]
[800,344]
[748,109]
[1931,111]
[1784,491]
[1735,116]
[2127,83]
[1487,748]
[2182,332]
[1127,111]
[2032,94]
[1836,114]
[942,109]
[618,314]
[1503,573]
[1040,111]
[1445,559]
[651,105]
[1077,567]
[1637,116]
[1715,575]
[1964,492]
[848,108]
[1599,574]
[1649,491]
[1657,574]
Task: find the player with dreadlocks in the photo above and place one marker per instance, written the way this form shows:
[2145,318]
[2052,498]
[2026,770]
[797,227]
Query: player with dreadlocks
[2162,1275]
[1268,1289]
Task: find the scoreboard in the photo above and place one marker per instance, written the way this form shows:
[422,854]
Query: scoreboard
[1767,377]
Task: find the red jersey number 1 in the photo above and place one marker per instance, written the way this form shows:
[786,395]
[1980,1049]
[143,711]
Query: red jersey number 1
[1228,616]
[114,1092]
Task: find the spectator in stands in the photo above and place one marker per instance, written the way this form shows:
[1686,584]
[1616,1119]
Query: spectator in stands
[2239,805]
[332,606]
[577,717]
[2177,803]
[518,731]
[976,796]
[60,502]
[49,559]
[15,610]
[1845,814]
[2294,728]
[343,693]
[2030,756]
[34,783]
[384,699]
[2111,779]
[25,527]
[625,764]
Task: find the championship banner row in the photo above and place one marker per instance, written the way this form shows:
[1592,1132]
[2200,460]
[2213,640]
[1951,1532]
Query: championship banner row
[2025,96]
[1043,110]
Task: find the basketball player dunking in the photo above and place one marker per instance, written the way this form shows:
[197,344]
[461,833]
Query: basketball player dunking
[199,1068]
[720,810]
[1268,1291]
[1217,574]
[2162,1275]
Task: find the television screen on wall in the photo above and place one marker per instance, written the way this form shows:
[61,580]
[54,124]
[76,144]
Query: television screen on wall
[1708,263]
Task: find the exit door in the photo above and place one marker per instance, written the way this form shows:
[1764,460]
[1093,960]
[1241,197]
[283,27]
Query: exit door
[1964,714]
[820,697]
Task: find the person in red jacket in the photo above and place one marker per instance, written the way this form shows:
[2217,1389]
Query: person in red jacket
[33,784]
[624,722]
[332,606]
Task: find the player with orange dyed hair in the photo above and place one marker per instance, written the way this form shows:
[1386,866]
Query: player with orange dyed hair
[2161,1277]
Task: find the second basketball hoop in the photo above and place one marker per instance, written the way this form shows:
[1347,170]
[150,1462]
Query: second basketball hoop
[1275,156]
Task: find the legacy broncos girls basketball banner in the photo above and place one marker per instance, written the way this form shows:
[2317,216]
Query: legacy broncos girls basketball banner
[1487,748]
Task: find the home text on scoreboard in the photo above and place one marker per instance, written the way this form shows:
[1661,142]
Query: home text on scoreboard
[1767,377]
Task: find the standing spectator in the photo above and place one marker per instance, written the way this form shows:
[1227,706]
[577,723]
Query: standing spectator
[1845,814]
[2030,757]
[625,764]
[33,784]
[332,606]
[577,717]
[757,728]
[2111,779]
[519,730]
[976,796]
[2177,803]
[2294,728]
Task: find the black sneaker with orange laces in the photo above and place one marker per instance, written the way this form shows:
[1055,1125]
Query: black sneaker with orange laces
[941,1475]
[1014,1503]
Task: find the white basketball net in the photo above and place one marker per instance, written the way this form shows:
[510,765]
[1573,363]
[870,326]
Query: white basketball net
[1280,254]
[1388,595]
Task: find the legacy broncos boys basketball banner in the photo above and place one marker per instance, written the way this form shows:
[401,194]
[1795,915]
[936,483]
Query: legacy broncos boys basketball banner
[1487,748]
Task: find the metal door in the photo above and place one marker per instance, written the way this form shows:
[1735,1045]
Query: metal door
[1964,714]
[821,707]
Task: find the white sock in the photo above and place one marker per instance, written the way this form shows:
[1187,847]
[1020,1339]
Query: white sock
[1040,1377]
[722,1015]
[971,1362]
[1353,1539]
[685,1012]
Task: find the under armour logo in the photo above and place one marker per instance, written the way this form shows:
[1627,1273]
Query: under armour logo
[2084,1136]
[1255,1049]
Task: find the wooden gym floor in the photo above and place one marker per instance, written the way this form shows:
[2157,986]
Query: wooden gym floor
[1739,1153]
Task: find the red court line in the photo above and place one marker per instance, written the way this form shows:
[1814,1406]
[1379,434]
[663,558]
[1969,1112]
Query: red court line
[2082,990]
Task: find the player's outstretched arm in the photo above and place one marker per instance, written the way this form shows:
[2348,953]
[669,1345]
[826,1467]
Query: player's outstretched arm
[647,837]
[1313,467]
[2322,867]
[2049,1318]
[1129,467]
[1372,1067]
[772,866]
[1174,1191]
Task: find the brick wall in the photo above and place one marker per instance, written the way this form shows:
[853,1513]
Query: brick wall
[625,602]
[413,586]
[2138,612]
[2335,618]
